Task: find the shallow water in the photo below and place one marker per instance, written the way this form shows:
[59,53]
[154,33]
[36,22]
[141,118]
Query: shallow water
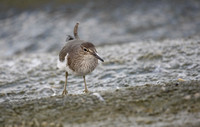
[30,76]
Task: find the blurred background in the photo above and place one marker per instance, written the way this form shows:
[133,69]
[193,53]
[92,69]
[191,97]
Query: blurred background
[42,26]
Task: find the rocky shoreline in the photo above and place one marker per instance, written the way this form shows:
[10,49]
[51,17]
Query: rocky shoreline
[170,104]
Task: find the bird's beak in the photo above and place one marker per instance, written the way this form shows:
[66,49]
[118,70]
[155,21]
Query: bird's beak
[97,56]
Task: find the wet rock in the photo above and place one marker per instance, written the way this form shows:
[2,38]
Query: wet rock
[144,105]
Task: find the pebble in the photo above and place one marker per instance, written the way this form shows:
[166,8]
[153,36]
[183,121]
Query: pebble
[163,88]
[197,95]
[98,96]
[187,97]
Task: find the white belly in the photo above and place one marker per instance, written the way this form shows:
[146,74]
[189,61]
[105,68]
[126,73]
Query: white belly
[63,65]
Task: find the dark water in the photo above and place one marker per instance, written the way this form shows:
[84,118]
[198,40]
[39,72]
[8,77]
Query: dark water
[42,26]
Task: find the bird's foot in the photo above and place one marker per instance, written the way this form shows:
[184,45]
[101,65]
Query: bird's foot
[64,92]
[86,91]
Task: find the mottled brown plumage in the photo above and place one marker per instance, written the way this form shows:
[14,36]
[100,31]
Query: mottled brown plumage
[78,57]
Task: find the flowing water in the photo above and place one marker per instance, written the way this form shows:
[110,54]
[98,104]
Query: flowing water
[44,29]
[29,76]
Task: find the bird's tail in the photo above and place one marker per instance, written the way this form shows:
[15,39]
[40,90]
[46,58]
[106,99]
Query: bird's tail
[76,31]
[69,37]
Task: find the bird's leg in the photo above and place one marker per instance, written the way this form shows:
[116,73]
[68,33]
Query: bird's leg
[86,90]
[65,90]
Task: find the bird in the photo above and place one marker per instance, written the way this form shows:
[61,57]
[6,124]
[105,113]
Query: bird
[77,57]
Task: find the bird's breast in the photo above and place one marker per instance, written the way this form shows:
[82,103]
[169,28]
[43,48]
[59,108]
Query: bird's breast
[85,65]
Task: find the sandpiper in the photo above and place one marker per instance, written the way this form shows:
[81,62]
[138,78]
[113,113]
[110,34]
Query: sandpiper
[77,57]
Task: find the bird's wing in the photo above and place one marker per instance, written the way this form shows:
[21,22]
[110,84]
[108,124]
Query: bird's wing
[68,48]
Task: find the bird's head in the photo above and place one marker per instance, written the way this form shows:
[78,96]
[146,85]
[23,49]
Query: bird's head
[88,48]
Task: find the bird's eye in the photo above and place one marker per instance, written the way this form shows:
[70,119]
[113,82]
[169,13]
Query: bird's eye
[85,49]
